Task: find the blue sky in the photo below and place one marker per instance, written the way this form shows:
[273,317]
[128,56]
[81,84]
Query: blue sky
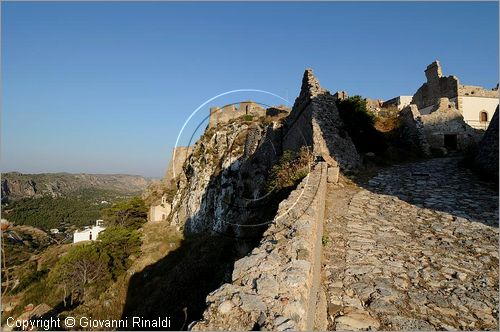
[106,87]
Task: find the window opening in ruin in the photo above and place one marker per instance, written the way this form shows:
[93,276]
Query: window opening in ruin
[450,141]
[483,117]
[90,236]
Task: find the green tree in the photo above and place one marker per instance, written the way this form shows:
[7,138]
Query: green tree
[119,243]
[80,269]
[359,123]
[129,213]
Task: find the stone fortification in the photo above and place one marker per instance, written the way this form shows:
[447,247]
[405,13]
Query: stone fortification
[475,103]
[315,121]
[275,287]
[437,86]
[444,127]
[226,113]
[179,156]
[487,157]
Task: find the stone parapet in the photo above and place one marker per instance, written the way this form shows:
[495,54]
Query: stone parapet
[276,286]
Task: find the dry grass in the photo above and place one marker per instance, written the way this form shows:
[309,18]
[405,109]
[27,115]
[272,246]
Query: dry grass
[387,120]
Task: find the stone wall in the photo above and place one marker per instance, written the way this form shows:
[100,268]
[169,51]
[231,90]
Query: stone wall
[179,156]
[487,157]
[431,131]
[476,91]
[437,86]
[315,121]
[226,113]
[275,287]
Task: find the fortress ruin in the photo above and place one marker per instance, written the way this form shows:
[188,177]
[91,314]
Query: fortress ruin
[232,111]
[476,104]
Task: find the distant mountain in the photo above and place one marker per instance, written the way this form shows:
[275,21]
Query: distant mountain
[17,185]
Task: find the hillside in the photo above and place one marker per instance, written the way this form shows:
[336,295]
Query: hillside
[17,185]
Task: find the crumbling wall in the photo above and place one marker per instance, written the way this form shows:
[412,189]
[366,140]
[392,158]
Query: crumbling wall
[428,131]
[219,115]
[275,287]
[412,129]
[437,86]
[315,121]
[476,91]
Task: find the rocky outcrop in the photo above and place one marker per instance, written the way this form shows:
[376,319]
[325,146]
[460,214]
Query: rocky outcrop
[17,185]
[223,178]
[487,156]
[315,121]
[276,286]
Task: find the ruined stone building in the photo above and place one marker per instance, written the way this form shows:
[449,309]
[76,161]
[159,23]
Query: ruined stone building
[476,104]
[233,111]
[445,115]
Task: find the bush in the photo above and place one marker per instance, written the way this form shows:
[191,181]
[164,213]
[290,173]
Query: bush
[290,169]
[359,123]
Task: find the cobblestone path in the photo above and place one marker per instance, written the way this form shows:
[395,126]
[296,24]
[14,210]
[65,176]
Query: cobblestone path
[416,249]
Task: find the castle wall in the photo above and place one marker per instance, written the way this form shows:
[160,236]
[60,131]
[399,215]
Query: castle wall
[181,154]
[219,115]
[486,159]
[431,131]
[276,286]
[315,122]
[469,100]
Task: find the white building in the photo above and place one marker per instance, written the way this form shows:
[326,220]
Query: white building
[399,102]
[160,212]
[89,233]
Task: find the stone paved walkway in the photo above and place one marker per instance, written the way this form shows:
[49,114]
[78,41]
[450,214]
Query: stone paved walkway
[417,249]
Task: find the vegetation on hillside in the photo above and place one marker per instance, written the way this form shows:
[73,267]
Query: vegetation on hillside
[290,169]
[130,213]
[65,276]
[79,209]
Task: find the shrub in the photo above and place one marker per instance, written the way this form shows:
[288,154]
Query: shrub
[359,123]
[129,213]
[290,169]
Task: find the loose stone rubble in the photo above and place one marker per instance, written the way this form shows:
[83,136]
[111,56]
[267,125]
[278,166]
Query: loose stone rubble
[417,249]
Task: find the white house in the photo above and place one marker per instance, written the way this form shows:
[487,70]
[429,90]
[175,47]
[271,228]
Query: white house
[160,212]
[89,233]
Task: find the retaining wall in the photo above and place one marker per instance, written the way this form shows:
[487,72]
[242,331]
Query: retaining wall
[276,286]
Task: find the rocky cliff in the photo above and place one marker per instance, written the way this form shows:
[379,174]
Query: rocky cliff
[17,185]
[223,181]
